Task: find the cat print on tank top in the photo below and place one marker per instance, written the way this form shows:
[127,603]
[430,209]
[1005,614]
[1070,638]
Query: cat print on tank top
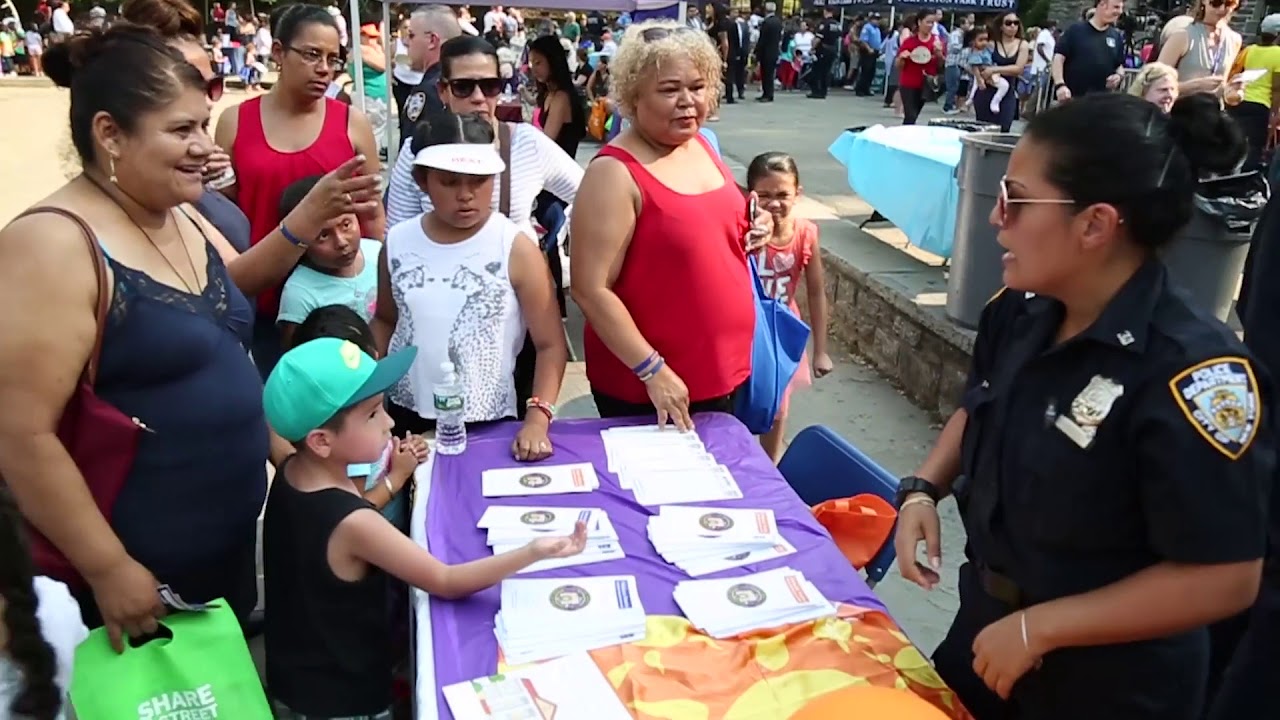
[476,337]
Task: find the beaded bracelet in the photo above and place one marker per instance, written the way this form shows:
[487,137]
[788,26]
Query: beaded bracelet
[544,407]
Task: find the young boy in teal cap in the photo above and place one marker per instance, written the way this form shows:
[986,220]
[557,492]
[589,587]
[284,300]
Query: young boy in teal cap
[326,548]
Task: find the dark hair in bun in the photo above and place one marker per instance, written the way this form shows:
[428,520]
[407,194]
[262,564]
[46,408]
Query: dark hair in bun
[1121,150]
[171,18]
[125,71]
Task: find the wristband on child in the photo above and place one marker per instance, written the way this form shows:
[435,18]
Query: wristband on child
[649,375]
[391,489]
[644,366]
[545,408]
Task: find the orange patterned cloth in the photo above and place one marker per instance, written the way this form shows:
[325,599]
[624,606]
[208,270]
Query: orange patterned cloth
[678,673]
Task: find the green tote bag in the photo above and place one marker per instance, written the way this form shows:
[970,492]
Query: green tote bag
[203,673]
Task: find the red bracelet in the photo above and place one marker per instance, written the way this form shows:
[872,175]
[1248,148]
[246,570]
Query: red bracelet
[546,408]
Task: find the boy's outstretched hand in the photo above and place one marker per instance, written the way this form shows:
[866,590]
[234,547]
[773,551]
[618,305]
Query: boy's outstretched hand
[563,546]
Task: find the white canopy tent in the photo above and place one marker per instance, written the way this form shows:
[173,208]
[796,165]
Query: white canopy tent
[357,76]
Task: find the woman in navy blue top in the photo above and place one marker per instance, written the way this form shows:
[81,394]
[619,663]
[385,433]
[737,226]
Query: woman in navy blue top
[173,350]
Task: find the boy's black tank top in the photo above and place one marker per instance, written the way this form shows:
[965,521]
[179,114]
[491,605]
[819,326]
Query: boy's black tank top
[328,641]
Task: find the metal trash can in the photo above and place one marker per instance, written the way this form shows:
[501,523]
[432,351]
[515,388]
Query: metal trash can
[976,269]
[964,124]
[1208,256]
[1207,259]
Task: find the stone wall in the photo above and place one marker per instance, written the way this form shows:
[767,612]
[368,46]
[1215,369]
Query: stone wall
[924,355]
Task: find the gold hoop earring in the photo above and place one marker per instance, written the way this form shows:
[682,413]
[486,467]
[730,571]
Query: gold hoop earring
[111,163]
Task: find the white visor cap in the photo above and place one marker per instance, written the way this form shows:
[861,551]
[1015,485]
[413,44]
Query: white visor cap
[462,158]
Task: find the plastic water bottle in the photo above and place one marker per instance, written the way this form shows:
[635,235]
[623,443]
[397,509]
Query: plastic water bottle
[451,432]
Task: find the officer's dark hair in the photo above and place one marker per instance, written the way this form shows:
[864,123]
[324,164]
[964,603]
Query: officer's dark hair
[294,18]
[462,46]
[1121,150]
[336,321]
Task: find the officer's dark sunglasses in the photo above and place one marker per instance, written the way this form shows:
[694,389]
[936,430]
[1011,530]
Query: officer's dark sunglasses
[1007,207]
[659,33]
[463,88]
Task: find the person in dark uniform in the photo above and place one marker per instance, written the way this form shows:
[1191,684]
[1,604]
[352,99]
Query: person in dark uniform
[430,26]
[1114,450]
[1245,690]
[827,44]
[768,49]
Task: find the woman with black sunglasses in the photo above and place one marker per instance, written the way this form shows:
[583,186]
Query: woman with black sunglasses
[1115,445]
[1010,55]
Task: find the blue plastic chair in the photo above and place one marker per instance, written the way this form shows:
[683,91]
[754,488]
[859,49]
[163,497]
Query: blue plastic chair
[820,465]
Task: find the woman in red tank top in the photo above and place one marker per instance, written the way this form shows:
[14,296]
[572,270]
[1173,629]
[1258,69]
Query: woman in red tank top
[291,133]
[659,265]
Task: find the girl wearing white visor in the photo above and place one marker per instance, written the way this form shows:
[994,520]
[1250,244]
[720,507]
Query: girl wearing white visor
[458,283]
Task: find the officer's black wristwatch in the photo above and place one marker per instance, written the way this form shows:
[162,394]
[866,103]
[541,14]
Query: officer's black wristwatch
[908,486]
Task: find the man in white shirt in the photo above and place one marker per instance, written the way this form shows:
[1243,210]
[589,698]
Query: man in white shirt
[1042,62]
[494,18]
[63,28]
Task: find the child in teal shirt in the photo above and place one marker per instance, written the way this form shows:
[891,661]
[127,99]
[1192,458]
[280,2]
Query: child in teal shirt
[339,268]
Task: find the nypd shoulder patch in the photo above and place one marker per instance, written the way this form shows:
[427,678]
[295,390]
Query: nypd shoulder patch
[413,106]
[1220,398]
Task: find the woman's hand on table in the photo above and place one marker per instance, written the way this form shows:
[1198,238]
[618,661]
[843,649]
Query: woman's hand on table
[1003,652]
[822,365]
[761,226]
[531,443]
[128,599]
[918,522]
[670,397]
[563,546]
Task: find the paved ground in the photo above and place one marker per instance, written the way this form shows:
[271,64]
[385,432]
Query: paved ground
[854,400]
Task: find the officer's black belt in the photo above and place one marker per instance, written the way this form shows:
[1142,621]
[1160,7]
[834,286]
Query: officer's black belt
[1001,588]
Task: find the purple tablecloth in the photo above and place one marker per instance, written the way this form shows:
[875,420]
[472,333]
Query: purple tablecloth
[462,631]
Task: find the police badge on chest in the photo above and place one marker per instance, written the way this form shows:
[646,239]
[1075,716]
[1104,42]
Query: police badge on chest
[1089,408]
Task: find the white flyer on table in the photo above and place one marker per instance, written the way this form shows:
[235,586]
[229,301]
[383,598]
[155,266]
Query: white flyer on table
[698,568]
[540,480]
[538,517]
[685,486]
[568,688]
[693,524]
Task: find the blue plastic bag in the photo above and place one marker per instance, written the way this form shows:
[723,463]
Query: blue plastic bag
[776,353]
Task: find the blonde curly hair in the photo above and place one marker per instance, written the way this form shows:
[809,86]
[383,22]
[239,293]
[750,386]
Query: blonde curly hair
[637,58]
[1149,75]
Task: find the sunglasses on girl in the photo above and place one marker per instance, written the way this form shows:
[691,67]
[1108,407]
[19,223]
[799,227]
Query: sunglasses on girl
[1012,23]
[214,86]
[1219,3]
[463,88]
[1007,207]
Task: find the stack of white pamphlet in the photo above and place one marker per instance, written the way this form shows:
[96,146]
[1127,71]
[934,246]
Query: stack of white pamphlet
[704,540]
[539,480]
[511,527]
[568,688]
[727,607]
[664,466]
[547,618]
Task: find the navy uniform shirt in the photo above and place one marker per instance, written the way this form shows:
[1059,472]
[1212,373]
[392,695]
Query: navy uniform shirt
[1147,438]
[421,102]
[829,34]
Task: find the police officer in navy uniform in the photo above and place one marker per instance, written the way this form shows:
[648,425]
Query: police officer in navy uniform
[1114,451]
[827,48]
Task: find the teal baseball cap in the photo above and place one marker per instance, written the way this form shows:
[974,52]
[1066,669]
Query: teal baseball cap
[316,380]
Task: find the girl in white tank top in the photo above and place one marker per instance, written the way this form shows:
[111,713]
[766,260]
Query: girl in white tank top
[462,283]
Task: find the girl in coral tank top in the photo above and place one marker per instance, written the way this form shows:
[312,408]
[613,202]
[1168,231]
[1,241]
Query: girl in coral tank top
[291,133]
[790,258]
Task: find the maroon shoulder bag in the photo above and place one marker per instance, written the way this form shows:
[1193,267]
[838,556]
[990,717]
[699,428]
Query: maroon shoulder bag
[101,440]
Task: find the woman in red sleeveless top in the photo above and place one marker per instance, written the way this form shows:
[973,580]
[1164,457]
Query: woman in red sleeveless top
[659,264]
[291,133]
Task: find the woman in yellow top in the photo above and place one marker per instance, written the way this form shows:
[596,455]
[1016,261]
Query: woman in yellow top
[1252,107]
